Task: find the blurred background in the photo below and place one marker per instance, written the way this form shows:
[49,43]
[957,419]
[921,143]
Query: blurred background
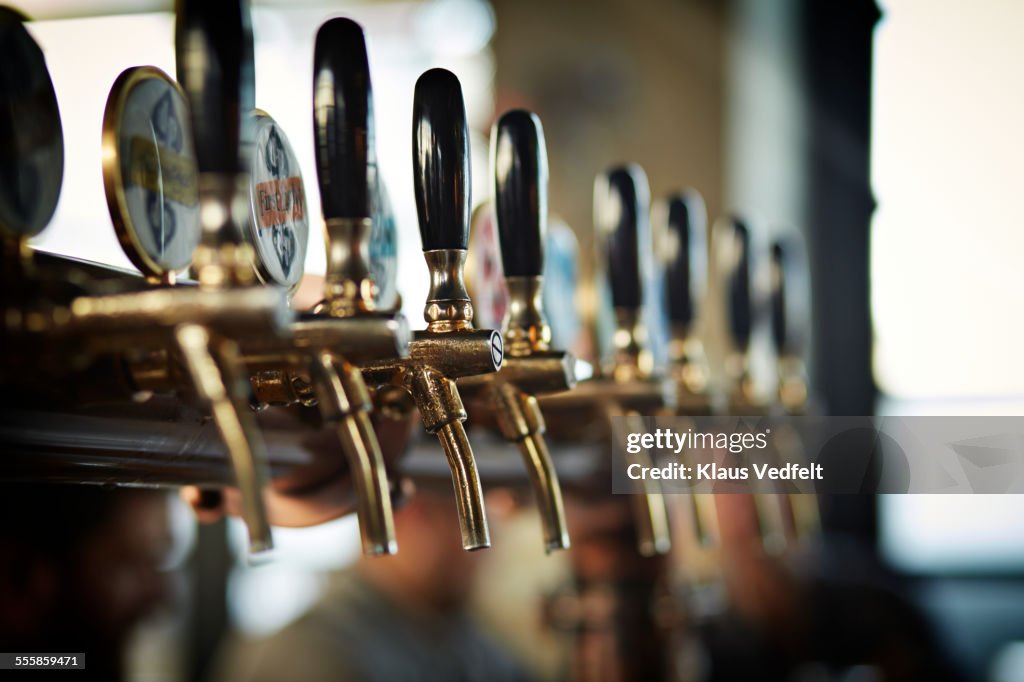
[887,133]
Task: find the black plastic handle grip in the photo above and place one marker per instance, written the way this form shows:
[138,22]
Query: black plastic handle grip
[343,120]
[440,159]
[620,198]
[737,281]
[790,293]
[214,49]
[520,160]
[686,267]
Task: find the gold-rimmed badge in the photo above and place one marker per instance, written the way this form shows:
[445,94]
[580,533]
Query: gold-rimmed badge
[149,172]
[279,220]
[31,137]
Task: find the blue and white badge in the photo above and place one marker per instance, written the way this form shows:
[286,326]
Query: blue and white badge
[279,221]
[561,274]
[149,171]
[384,248]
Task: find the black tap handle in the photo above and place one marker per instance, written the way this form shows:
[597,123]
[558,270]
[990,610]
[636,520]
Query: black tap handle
[343,120]
[686,264]
[214,49]
[520,162]
[440,159]
[734,234]
[790,291]
[620,198]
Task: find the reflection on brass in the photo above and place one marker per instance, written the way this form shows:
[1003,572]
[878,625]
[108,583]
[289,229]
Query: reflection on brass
[152,312]
[223,258]
[214,380]
[689,367]
[348,288]
[526,330]
[468,493]
[448,306]
[792,393]
[345,403]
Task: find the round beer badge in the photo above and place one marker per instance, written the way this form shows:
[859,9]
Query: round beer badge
[485,277]
[561,272]
[31,138]
[384,248]
[149,171]
[279,225]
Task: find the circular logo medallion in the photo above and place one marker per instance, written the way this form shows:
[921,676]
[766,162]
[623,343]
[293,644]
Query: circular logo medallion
[149,171]
[561,272]
[485,277]
[279,225]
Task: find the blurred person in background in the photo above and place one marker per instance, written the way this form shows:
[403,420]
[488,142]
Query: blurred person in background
[399,617]
[80,568]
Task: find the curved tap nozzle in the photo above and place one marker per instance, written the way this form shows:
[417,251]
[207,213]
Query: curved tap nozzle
[345,402]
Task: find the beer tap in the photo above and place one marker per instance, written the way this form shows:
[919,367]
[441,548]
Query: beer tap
[185,331]
[627,387]
[449,348]
[732,252]
[215,61]
[789,295]
[620,199]
[680,224]
[344,328]
[682,228]
[530,366]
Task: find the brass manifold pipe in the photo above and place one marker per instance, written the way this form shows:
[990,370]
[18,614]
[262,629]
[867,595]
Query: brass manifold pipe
[317,366]
[201,326]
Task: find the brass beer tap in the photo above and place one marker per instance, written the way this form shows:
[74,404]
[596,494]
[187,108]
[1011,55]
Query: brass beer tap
[789,294]
[530,366]
[449,348]
[733,258]
[319,362]
[627,386]
[680,225]
[202,324]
